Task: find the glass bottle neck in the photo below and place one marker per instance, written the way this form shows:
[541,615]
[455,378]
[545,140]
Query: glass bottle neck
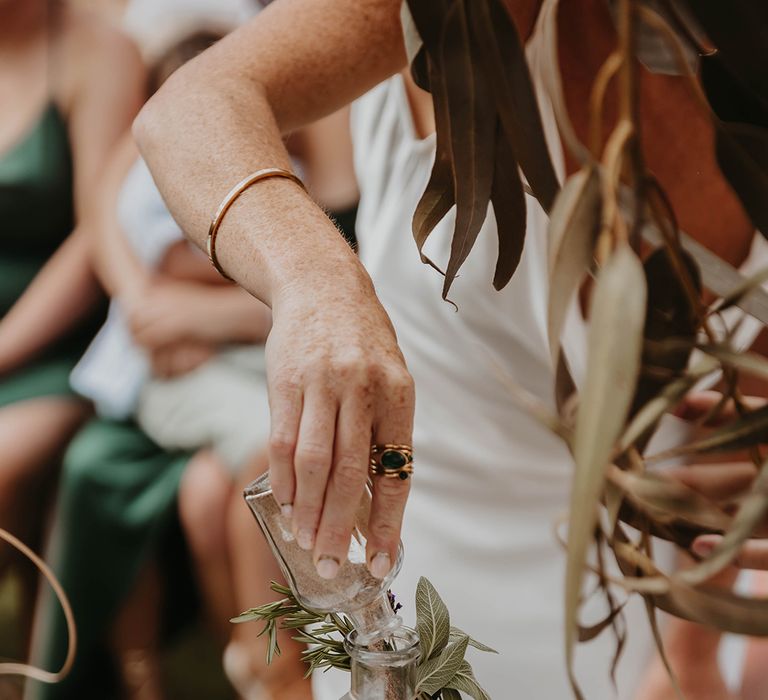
[375,621]
[386,670]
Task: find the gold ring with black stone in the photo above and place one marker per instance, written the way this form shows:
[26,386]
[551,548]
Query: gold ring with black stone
[391,461]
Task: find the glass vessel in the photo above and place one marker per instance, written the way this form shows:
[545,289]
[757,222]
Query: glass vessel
[385,672]
[354,591]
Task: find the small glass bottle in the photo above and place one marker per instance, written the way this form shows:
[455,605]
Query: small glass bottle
[386,672]
[354,591]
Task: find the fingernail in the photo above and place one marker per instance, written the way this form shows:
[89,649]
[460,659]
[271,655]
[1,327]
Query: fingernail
[327,567]
[703,547]
[306,539]
[287,510]
[380,565]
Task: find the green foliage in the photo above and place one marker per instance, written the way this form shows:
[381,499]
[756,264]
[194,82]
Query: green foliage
[442,669]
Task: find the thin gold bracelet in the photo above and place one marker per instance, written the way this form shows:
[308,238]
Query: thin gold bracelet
[229,200]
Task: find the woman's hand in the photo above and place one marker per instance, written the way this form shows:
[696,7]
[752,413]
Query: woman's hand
[337,383]
[721,480]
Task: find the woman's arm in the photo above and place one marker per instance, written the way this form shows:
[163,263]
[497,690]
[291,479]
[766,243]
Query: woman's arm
[97,61]
[117,267]
[337,379]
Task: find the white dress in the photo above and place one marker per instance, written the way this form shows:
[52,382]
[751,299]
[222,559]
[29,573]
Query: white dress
[489,481]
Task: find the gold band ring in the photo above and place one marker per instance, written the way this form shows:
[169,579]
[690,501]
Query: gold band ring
[391,461]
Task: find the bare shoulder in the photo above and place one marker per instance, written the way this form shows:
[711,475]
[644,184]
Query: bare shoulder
[91,50]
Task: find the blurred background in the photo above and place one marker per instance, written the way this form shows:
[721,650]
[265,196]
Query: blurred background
[191,662]
[133,407]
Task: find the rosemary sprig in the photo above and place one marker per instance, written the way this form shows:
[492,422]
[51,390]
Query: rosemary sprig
[322,633]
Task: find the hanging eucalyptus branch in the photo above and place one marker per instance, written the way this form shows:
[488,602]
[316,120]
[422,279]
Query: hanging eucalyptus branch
[646,312]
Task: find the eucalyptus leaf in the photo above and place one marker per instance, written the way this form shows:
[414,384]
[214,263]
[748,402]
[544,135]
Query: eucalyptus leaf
[438,672]
[752,510]
[433,623]
[646,419]
[472,135]
[745,431]
[747,362]
[735,297]
[573,227]
[617,316]
[717,608]
[509,208]
[505,64]
[668,500]
[439,196]
[465,681]
[590,632]
[707,605]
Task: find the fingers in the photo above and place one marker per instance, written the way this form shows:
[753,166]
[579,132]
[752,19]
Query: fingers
[312,463]
[394,425]
[752,555]
[346,484]
[285,405]
[716,481]
[697,405]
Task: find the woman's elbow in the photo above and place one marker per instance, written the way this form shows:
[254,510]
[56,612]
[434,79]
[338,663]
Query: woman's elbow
[148,123]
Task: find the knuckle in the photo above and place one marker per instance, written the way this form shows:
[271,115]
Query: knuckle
[385,531]
[282,446]
[349,476]
[350,365]
[309,458]
[285,386]
[400,381]
[335,536]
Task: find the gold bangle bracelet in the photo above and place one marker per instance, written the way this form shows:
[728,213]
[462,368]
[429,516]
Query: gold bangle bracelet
[230,199]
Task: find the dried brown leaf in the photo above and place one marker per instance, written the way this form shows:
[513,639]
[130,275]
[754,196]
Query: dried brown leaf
[472,134]
[506,67]
[751,513]
[508,198]
[748,430]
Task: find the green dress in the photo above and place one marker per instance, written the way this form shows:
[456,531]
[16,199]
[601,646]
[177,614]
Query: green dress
[116,501]
[37,214]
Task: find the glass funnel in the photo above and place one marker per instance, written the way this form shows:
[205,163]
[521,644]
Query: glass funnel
[354,591]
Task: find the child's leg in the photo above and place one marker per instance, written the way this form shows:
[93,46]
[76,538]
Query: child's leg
[254,568]
[136,635]
[204,496]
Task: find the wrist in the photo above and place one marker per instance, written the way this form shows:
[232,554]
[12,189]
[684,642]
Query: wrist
[276,241]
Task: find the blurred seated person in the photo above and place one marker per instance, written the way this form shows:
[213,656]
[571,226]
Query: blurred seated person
[69,86]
